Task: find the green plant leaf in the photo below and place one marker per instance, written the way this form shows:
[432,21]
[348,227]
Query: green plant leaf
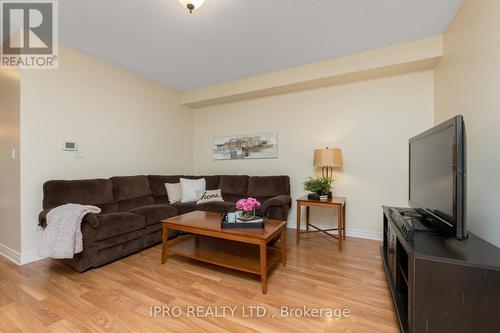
[319,185]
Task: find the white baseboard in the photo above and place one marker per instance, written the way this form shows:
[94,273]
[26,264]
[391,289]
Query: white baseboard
[364,234]
[29,257]
[19,258]
[10,254]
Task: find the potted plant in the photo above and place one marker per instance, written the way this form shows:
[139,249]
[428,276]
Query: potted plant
[321,187]
[248,207]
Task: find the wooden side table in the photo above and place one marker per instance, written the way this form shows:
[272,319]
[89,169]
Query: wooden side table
[335,202]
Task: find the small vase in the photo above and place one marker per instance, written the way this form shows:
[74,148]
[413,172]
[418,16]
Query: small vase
[250,214]
[247,215]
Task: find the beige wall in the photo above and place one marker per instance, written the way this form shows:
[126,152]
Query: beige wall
[370,120]
[125,125]
[406,57]
[467,82]
[10,229]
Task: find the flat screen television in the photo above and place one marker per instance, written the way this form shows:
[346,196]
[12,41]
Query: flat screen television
[437,182]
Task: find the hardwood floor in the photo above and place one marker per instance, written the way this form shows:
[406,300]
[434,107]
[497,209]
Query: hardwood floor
[46,296]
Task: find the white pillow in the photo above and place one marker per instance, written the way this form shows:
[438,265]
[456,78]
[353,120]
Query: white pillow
[210,196]
[174,192]
[189,188]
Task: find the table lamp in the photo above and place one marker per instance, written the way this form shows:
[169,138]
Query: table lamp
[327,159]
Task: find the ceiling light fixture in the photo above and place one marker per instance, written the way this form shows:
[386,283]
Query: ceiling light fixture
[192,4]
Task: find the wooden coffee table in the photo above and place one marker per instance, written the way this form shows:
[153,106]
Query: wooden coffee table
[231,248]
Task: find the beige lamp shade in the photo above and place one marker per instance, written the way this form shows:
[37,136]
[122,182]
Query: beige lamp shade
[328,158]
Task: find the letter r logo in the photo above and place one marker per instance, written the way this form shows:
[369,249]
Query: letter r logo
[27,27]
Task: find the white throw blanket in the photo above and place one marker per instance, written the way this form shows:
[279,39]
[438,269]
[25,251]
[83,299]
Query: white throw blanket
[62,237]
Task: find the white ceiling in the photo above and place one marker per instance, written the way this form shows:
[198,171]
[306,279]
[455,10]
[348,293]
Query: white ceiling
[226,40]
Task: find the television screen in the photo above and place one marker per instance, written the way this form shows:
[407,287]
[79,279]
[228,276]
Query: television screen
[431,179]
[436,174]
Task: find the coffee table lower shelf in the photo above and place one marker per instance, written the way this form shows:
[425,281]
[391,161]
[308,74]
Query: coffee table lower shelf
[230,254]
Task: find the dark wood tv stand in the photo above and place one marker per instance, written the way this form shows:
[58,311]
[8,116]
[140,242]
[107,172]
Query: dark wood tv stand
[440,284]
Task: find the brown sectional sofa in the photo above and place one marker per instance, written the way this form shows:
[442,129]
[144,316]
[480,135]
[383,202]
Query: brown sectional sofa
[133,206]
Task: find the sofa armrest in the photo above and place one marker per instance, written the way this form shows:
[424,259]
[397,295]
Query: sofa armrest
[278,201]
[91,219]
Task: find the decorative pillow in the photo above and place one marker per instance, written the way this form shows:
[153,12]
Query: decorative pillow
[209,196]
[189,188]
[199,193]
[174,192]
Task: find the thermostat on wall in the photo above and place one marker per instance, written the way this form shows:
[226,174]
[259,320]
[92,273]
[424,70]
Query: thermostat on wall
[70,146]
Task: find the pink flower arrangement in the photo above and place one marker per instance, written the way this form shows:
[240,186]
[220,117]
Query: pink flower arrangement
[247,205]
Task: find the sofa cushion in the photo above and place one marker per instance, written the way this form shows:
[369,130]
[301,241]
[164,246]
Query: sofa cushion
[131,192]
[96,192]
[114,224]
[185,207]
[269,186]
[157,184]
[130,187]
[119,239]
[118,251]
[155,213]
[233,187]
[221,207]
[263,188]
[126,205]
[161,200]
[155,228]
